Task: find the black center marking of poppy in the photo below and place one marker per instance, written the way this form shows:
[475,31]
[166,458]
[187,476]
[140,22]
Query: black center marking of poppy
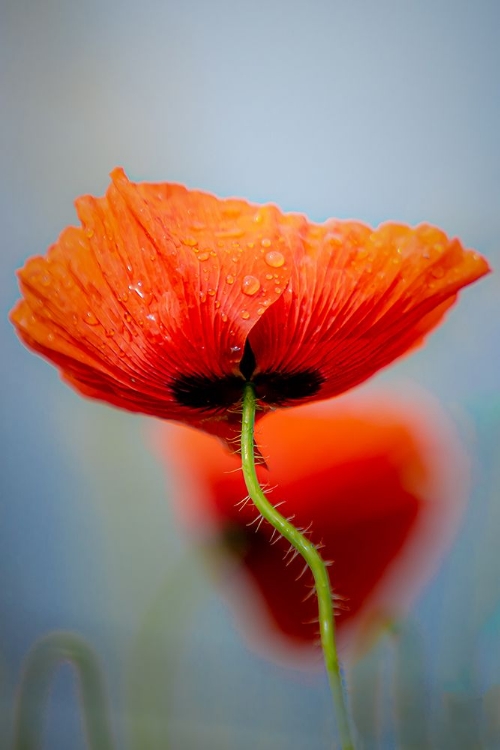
[274,388]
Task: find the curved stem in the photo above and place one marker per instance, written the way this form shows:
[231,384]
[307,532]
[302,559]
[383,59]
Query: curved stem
[310,555]
[40,665]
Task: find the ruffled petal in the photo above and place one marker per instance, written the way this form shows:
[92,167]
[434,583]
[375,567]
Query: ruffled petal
[359,298]
[166,299]
[159,283]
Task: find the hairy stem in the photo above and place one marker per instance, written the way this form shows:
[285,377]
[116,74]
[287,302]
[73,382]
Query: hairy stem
[310,554]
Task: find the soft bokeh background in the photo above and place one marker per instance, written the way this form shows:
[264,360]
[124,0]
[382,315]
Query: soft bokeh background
[375,111]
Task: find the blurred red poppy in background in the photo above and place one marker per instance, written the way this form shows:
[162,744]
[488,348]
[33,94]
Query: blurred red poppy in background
[166,300]
[377,481]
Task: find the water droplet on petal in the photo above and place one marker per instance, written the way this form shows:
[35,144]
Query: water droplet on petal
[275,259]
[235,349]
[245,314]
[189,241]
[203,256]
[261,310]
[437,272]
[138,289]
[230,233]
[230,279]
[278,290]
[91,319]
[211,292]
[265,242]
[224,317]
[250,285]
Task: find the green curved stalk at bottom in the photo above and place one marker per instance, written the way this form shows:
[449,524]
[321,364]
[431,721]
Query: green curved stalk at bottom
[310,554]
[44,658]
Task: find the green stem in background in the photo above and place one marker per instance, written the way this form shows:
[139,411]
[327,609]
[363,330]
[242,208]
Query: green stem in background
[42,661]
[310,554]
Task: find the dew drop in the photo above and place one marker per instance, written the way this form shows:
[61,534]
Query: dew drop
[250,285]
[89,232]
[230,279]
[189,241]
[245,314]
[223,317]
[50,337]
[203,256]
[138,289]
[438,272]
[230,233]
[232,209]
[235,349]
[261,310]
[269,276]
[128,318]
[211,292]
[274,258]
[278,290]
[265,242]
[91,319]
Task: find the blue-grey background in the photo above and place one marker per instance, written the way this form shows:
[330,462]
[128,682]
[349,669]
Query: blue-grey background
[376,111]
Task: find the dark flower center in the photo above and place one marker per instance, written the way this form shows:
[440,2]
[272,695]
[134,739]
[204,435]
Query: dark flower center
[274,388]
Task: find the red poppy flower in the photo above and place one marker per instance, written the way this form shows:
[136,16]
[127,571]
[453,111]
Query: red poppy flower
[379,483]
[166,299]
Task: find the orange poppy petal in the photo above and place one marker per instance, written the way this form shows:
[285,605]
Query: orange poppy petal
[158,283]
[166,299]
[377,481]
[359,298]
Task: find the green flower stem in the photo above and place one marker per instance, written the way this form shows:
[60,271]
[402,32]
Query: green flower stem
[42,661]
[310,555]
